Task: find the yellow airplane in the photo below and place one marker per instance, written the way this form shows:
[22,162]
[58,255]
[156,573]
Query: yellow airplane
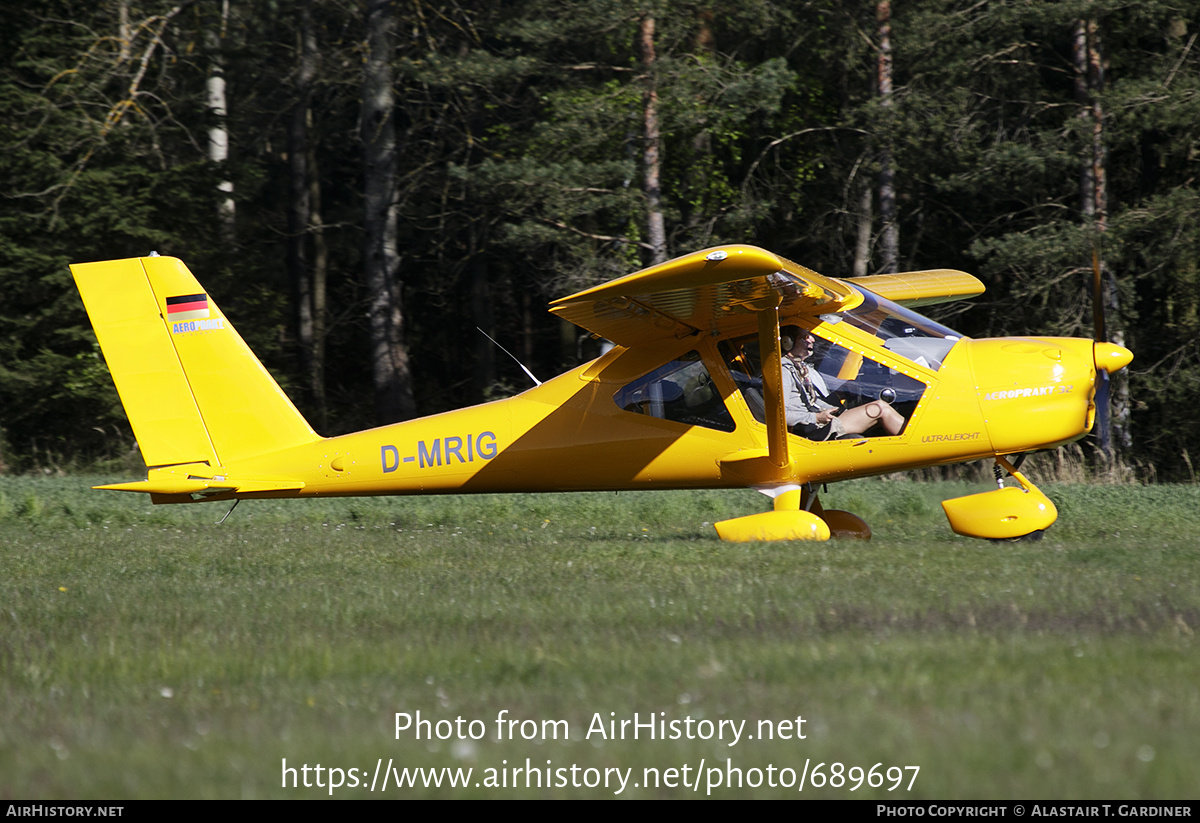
[732,368]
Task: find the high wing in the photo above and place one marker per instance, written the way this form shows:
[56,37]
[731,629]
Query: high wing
[702,293]
[711,290]
[921,288]
[699,292]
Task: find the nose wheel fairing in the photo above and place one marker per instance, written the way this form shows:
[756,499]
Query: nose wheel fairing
[1004,513]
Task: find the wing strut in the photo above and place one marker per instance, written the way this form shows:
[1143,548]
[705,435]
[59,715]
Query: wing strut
[772,384]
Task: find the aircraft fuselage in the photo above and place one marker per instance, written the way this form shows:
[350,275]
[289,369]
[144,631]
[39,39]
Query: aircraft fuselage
[993,396]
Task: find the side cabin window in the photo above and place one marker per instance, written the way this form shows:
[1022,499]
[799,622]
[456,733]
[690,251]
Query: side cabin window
[840,379]
[681,391]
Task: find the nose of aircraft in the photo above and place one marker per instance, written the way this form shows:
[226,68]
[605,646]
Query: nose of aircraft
[1042,392]
[1112,358]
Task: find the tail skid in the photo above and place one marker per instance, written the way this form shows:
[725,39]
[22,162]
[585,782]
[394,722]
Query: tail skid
[196,396]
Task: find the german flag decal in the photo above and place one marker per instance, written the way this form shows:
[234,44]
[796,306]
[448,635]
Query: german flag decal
[187,307]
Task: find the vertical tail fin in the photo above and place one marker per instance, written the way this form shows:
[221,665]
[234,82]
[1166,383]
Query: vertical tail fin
[193,390]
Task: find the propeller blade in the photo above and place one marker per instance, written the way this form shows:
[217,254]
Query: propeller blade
[1103,426]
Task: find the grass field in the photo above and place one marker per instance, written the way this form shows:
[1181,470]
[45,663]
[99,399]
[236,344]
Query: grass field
[146,652]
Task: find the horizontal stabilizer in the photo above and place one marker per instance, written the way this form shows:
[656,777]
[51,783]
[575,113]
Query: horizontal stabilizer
[181,480]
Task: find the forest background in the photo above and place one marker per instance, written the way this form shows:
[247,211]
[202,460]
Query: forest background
[360,185]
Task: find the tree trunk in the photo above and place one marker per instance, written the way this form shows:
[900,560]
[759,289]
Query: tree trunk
[320,278]
[862,246]
[1087,182]
[218,132]
[1111,429]
[694,187]
[301,209]
[483,366]
[651,161]
[389,359]
[124,33]
[890,240]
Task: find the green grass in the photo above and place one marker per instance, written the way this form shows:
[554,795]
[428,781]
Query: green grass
[147,652]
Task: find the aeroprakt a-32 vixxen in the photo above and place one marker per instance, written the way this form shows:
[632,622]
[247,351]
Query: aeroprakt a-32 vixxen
[696,393]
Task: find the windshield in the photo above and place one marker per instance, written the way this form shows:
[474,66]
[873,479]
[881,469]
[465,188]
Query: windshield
[904,332]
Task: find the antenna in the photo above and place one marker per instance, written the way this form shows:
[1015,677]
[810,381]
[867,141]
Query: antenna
[510,354]
[236,500]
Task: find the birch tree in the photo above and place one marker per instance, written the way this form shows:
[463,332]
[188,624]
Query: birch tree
[215,34]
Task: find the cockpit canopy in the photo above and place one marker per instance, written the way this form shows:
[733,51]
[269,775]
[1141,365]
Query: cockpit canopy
[904,332]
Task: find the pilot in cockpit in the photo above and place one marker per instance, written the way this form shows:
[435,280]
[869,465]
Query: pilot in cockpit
[810,407]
